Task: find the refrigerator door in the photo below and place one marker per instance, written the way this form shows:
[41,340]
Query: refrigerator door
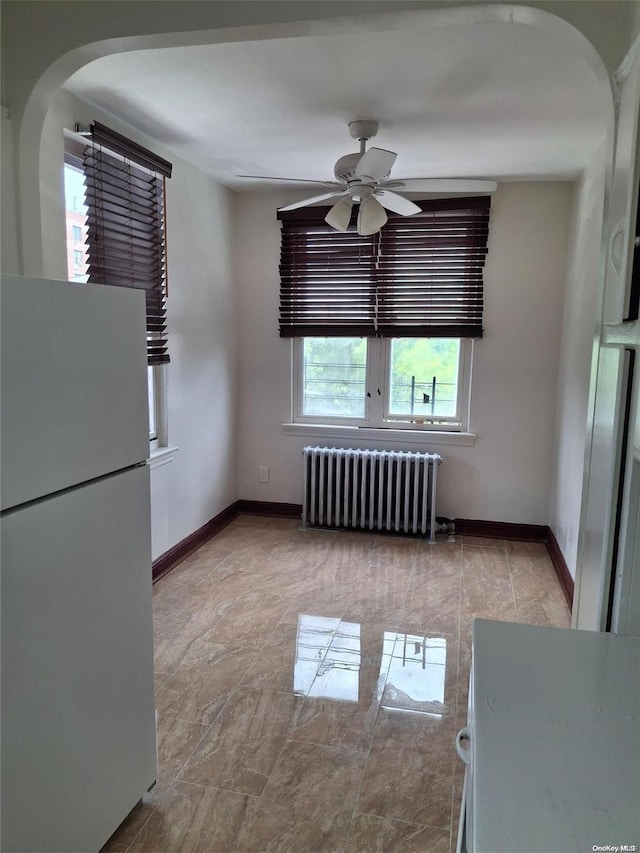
[74,384]
[78,710]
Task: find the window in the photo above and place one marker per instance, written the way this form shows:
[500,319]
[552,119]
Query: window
[423,378]
[334,377]
[76,217]
[153,416]
[413,383]
[384,325]
[115,203]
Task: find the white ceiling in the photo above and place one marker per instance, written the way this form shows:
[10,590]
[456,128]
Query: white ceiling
[490,100]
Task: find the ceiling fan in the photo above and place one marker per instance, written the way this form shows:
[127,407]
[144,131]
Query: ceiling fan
[363,178]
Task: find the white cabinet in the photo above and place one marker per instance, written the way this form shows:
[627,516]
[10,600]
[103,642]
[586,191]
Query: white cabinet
[554,740]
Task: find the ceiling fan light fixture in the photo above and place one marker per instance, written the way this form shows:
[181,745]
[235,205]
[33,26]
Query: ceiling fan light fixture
[340,215]
[371,217]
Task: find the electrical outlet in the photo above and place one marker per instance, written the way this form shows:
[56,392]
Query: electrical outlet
[264,474]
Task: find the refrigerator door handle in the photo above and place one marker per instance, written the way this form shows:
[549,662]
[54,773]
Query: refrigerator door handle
[463,753]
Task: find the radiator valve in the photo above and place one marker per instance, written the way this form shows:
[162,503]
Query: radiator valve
[446,525]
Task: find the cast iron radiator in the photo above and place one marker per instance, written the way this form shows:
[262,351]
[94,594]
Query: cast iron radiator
[370,489]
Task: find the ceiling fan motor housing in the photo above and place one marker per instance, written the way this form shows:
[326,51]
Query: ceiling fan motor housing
[363,130]
[345,168]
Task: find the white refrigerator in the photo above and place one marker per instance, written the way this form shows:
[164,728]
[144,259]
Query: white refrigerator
[78,713]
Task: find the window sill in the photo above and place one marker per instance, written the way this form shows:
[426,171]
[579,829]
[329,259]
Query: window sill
[161,456]
[399,436]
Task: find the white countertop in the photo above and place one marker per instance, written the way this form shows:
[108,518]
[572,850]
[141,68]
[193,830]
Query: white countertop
[555,734]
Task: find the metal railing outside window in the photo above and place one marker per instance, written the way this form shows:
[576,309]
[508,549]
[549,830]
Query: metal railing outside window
[422,393]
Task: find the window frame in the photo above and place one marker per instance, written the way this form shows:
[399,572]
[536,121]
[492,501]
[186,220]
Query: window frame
[377,406]
[72,160]
[152,397]
[160,398]
[457,422]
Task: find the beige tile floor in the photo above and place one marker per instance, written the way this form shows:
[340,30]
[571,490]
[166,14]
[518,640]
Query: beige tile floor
[309,685]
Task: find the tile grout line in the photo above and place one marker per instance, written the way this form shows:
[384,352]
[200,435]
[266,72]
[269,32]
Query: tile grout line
[217,787]
[135,837]
[513,590]
[183,720]
[453,777]
[365,753]
[275,764]
[375,725]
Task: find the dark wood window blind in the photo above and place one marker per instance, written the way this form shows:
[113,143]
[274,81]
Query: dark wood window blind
[125,221]
[420,276]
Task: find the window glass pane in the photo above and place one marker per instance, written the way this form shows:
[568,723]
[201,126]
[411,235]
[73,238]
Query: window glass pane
[424,377]
[334,377]
[76,216]
[152,401]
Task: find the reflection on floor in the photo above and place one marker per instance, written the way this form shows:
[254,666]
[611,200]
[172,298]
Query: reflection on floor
[310,684]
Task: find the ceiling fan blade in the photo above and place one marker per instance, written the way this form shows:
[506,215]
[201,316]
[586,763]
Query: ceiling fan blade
[340,214]
[375,164]
[371,217]
[442,185]
[396,203]
[312,200]
[292,180]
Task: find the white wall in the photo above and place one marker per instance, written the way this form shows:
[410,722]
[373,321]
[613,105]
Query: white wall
[9,254]
[634,22]
[579,328]
[507,474]
[201,480]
